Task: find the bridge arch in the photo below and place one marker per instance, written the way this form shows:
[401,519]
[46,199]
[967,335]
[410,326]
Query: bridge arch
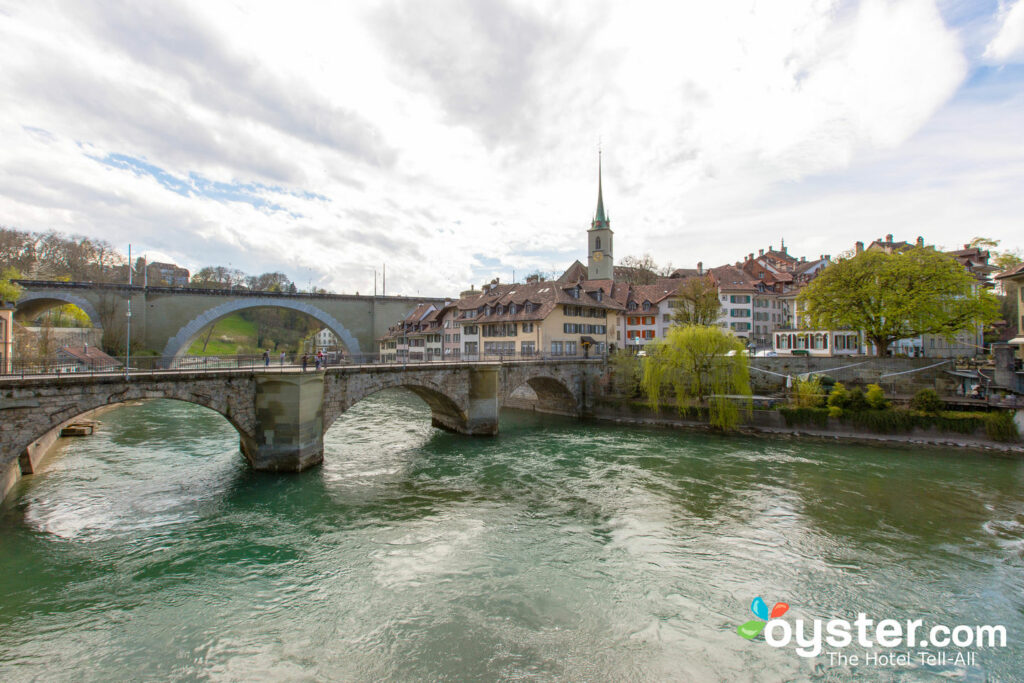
[31,304]
[551,392]
[447,411]
[179,343]
[45,427]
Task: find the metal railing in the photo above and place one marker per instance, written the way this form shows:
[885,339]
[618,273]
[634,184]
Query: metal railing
[65,366]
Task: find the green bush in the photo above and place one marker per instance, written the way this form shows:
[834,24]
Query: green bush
[857,402]
[835,411]
[1001,427]
[805,416]
[808,393]
[927,401]
[876,397]
[839,397]
[884,421]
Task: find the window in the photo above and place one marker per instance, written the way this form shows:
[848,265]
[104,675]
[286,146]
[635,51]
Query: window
[739,299]
[739,312]
[632,334]
[597,243]
[527,327]
[470,329]
[632,304]
[528,348]
[647,320]
[648,334]
[598,294]
[647,305]
[471,348]
[556,348]
[512,309]
[740,327]
[570,328]
[570,348]
[665,318]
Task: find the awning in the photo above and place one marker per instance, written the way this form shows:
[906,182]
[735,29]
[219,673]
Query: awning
[588,340]
[1016,341]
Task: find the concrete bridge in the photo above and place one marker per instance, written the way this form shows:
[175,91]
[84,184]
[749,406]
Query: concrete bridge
[282,414]
[168,319]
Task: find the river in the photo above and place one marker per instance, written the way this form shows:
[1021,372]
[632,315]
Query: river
[559,550]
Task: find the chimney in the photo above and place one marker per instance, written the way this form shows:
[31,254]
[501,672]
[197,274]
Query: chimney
[760,252]
[859,247]
[750,256]
[888,238]
[700,267]
[803,259]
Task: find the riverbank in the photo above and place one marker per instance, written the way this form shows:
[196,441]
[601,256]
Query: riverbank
[771,423]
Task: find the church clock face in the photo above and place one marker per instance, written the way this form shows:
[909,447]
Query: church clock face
[598,256]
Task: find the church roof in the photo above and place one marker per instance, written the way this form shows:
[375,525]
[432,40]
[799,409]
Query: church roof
[600,219]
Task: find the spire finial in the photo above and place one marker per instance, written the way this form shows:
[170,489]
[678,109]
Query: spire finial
[600,220]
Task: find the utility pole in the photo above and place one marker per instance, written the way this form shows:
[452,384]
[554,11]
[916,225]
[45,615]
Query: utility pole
[384,281]
[128,331]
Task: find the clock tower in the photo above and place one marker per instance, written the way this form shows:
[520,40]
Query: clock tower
[599,239]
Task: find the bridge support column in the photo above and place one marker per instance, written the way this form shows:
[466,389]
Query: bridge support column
[482,415]
[289,423]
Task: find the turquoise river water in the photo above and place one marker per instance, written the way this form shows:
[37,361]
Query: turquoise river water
[559,550]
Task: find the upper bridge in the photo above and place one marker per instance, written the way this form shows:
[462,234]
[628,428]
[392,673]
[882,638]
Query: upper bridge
[168,319]
[281,414]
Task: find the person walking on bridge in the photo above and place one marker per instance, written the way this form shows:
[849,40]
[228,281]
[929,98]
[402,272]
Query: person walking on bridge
[282,358]
[305,362]
[266,358]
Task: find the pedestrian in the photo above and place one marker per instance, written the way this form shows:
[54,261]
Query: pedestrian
[321,359]
[282,358]
[305,362]
[266,358]
[317,359]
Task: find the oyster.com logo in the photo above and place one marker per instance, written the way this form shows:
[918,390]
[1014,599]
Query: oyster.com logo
[759,607]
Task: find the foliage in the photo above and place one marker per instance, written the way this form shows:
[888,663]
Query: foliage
[67,315]
[857,400]
[1000,426]
[839,397]
[1003,260]
[927,401]
[699,302]
[626,373]
[807,392]
[835,411]
[9,291]
[895,296]
[808,416]
[694,363]
[53,256]
[875,397]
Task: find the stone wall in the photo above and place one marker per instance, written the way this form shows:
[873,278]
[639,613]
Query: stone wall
[865,370]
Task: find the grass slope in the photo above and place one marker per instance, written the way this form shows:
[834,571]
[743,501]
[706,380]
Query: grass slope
[231,335]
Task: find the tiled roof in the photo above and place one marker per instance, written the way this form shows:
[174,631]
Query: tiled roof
[544,296]
[1016,271]
[89,354]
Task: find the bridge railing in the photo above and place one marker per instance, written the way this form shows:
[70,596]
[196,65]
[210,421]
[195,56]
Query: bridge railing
[67,365]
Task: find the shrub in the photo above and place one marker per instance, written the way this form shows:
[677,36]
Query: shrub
[927,401]
[835,411]
[807,393]
[808,416]
[876,397]
[885,421]
[857,402]
[1001,427]
[839,397]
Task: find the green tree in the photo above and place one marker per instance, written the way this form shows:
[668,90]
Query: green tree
[625,373]
[702,366]
[699,302]
[895,296]
[9,291]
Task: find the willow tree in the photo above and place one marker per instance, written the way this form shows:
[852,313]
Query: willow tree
[896,296]
[703,367]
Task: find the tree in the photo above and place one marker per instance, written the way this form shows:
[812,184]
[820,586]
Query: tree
[9,291]
[699,302]
[896,296]
[1004,260]
[640,270]
[702,366]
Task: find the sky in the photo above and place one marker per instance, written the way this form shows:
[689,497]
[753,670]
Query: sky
[457,141]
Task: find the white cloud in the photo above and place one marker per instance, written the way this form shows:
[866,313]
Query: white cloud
[456,140]
[1008,44]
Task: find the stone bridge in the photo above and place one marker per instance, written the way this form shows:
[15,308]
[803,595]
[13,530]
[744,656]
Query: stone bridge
[168,319]
[282,415]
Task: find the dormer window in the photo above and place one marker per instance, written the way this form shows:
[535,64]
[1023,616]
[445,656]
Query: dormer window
[632,305]
[576,292]
[647,305]
[512,309]
[598,294]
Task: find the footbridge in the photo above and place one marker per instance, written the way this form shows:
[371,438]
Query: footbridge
[167,319]
[281,414]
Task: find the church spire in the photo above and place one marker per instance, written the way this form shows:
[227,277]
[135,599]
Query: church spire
[600,220]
